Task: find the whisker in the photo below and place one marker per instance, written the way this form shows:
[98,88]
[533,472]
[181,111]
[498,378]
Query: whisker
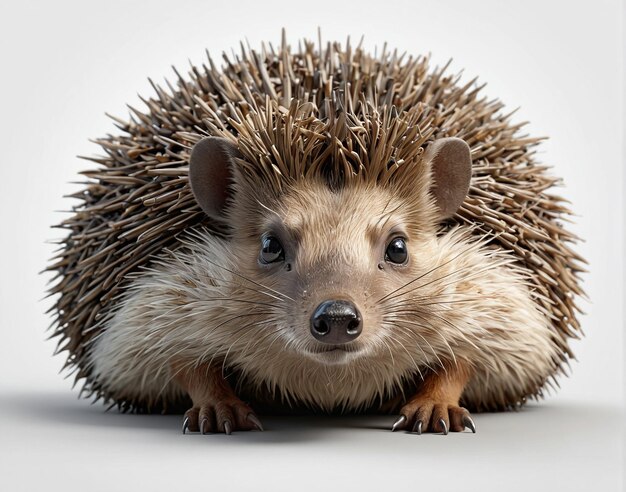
[425,341]
[217,353]
[271,344]
[249,280]
[247,301]
[233,344]
[451,325]
[238,285]
[393,363]
[456,272]
[411,334]
[409,354]
[238,316]
[258,341]
[465,251]
[417,301]
[437,279]
[470,276]
[423,316]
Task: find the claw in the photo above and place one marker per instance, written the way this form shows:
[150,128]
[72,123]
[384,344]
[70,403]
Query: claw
[227,427]
[255,421]
[398,423]
[443,425]
[185,425]
[418,427]
[468,422]
[202,426]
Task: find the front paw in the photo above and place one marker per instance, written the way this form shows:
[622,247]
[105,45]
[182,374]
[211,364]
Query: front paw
[222,416]
[429,416]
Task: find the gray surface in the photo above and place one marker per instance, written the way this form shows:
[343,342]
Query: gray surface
[65,63]
[56,441]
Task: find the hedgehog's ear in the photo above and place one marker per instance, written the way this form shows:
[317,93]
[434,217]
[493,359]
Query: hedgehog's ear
[451,170]
[211,173]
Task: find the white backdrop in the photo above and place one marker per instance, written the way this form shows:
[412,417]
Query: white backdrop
[63,64]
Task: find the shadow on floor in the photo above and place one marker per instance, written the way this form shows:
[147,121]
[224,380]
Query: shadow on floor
[63,409]
[66,410]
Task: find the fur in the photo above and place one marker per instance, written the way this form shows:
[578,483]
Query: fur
[331,143]
[207,302]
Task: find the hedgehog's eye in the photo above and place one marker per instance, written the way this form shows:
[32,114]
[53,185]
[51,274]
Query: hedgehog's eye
[272,250]
[396,251]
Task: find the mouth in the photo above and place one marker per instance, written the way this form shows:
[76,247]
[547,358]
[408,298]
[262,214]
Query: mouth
[326,349]
[334,354]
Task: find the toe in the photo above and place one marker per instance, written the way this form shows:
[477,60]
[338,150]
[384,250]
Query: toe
[224,418]
[458,419]
[206,417]
[400,423]
[254,421]
[423,415]
[227,427]
[244,417]
[418,427]
[415,417]
[469,423]
[190,420]
[440,421]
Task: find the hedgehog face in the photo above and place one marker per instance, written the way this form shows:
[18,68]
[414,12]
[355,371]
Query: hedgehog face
[327,259]
[332,254]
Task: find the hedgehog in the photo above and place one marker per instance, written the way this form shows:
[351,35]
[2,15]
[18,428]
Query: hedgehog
[317,229]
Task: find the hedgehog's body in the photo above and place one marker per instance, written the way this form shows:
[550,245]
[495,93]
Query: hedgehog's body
[176,308]
[357,294]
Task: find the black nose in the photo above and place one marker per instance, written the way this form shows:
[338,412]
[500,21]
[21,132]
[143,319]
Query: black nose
[336,322]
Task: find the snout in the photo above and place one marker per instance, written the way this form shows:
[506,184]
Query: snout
[336,322]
